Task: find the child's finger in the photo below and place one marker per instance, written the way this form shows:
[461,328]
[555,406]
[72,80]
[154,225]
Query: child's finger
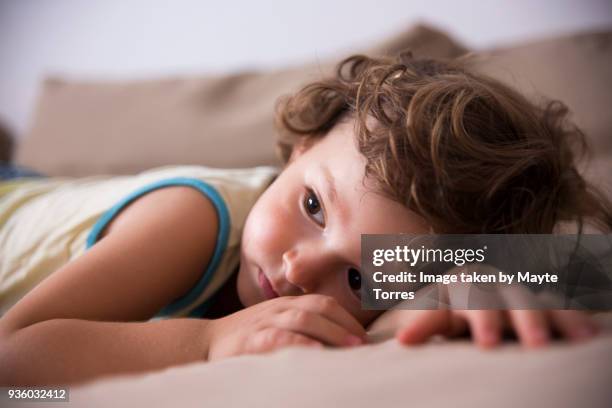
[297,339]
[429,323]
[485,326]
[317,327]
[332,310]
[531,326]
[573,324]
[274,338]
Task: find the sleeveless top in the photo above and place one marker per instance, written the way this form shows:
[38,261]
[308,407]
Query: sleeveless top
[47,222]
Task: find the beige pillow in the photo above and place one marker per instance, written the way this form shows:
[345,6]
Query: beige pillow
[82,127]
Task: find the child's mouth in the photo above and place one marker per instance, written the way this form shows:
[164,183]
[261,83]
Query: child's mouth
[266,286]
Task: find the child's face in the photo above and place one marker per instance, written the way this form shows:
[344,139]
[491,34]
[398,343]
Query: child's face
[304,232]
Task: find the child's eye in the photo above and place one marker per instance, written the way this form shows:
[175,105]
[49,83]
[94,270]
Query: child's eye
[313,207]
[354,279]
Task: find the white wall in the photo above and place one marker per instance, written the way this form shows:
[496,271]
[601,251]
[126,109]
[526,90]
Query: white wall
[137,38]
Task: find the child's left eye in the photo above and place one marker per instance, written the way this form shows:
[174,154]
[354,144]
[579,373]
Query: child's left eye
[354,280]
[313,207]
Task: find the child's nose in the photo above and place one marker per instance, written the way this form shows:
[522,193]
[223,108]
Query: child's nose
[306,268]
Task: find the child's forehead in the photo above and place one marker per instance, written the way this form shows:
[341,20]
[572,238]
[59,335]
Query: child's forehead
[338,146]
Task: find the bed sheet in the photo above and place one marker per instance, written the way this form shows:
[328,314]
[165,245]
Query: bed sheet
[439,374]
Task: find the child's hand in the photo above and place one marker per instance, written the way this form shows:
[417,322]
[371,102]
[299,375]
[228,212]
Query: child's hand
[532,327]
[308,320]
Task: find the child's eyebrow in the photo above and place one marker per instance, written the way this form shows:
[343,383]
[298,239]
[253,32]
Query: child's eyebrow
[332,193]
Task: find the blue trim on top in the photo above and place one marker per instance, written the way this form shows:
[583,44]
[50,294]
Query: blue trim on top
[221,244]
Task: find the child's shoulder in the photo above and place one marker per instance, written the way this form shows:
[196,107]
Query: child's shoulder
[174,205]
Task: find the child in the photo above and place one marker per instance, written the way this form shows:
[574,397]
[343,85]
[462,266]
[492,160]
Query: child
[269,260]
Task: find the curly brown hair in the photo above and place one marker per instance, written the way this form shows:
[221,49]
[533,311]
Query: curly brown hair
[463,150]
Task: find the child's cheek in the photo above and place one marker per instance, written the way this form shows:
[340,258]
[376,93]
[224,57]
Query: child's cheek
[271,230]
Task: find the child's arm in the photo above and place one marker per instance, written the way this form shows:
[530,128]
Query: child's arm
[67,351]
[79,322]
